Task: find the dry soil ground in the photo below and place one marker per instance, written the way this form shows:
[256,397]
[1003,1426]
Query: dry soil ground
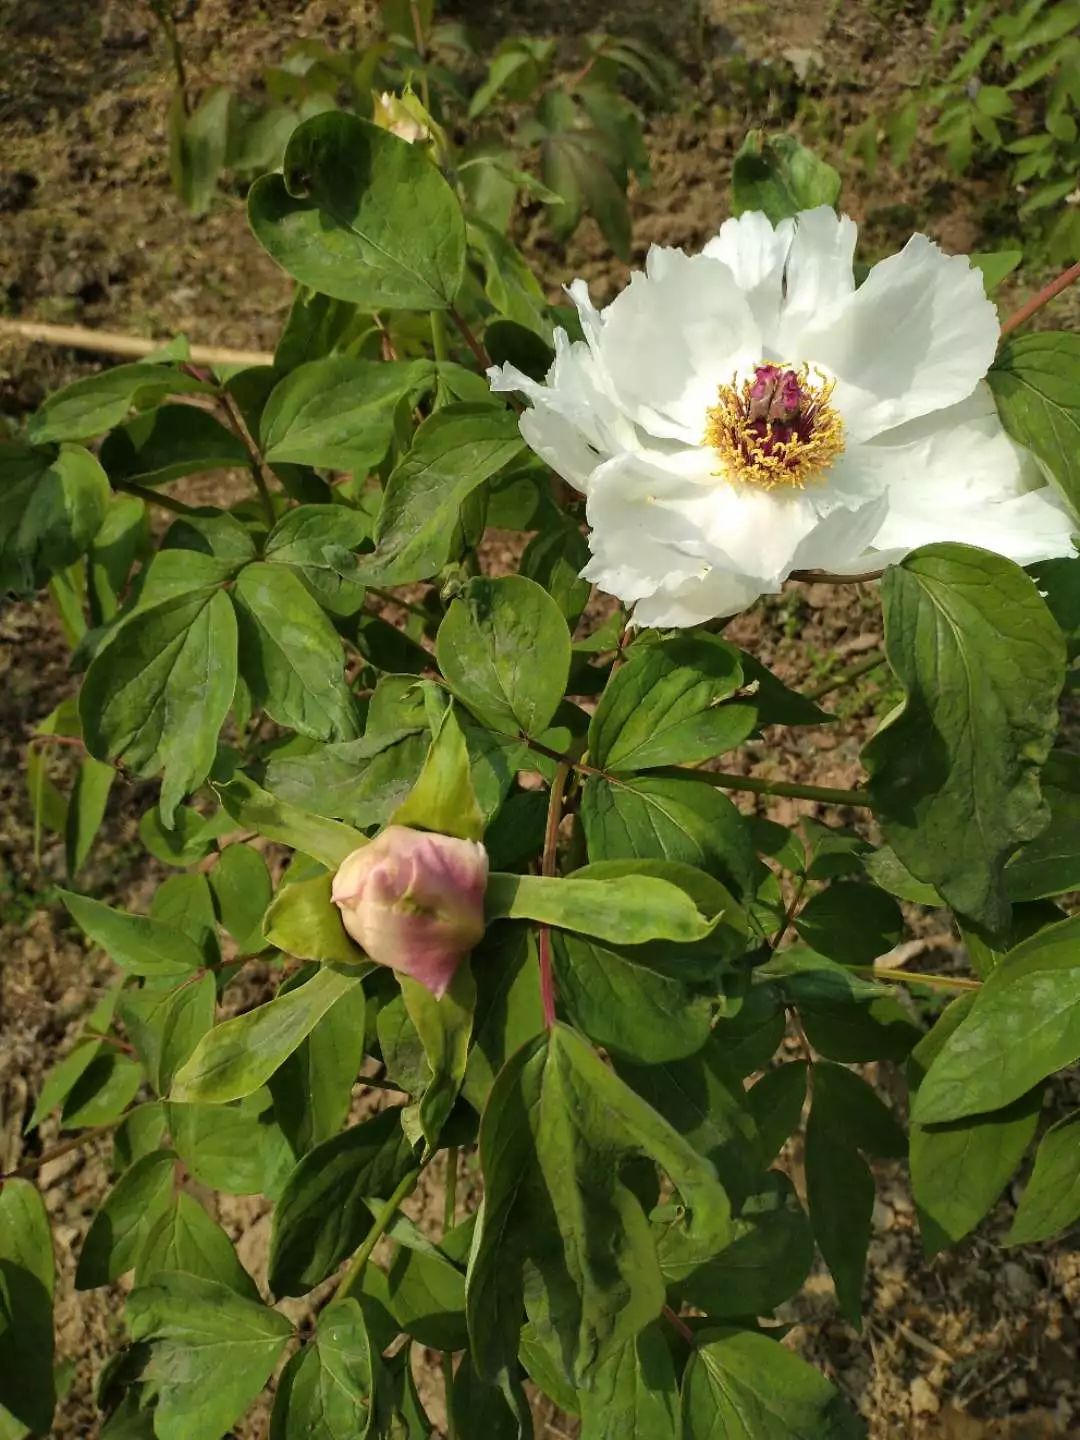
[980,1344]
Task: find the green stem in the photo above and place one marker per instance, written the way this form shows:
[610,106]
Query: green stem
[756,786]
[390,599]
[843,677]
[450,1192]
[154,497]
[406,1185]
[721,779]
[449,1215]
[916,977]
[421,50]
[438,336]
[264,493]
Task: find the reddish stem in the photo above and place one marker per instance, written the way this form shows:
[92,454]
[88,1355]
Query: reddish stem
[547,979]
[1046,294]
[483,359]
[678,1323]
[547,867]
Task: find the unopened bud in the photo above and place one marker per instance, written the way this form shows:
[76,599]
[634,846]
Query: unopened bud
[415,902]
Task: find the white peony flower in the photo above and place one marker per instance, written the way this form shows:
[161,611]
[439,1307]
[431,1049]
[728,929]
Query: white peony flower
[747,412]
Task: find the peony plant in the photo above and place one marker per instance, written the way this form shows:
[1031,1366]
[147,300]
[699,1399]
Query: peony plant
[468,806]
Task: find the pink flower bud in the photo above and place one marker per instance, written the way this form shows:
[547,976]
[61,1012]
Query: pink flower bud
[415,902]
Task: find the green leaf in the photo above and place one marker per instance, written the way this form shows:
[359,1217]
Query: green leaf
[27,1277]
[698,1097]
[142,1130]
[363,781]
[210,1352]
[851,923]
[313,1089]
[508,1011]
[1023,1026]
[52,503]
[634,1393]
[504,648]
[426,1296]
[156,695]
[1035,381]
[325,840]
[304,921]
[165,1026]
[338,413]
[663,706]
[129,1212]
[1058,582]
[445,1028]
[453,451]
[238,1056]
[309,539]
[840,1198]
[1050,864]
[443,798]
[328,1389]
[776,1103]
[765,1264]
[185,1238]
[240,883]
[888,872]
[555,559]
[240,1149]
[982,664]
[740,1385]
[482,1409]
[680,818]
[781,177]
[1051,1199]
[558,1128]
[102,1092]
[291,656]
[62,1077]
[363,216]
[170,441]
[98,402]
[198,146]
[626,909]
[959,1169]
[135,942]
[322,1214]
[995,266]
[614,997]
[86,810]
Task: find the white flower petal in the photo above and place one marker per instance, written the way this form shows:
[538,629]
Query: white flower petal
[956,475]
[671,338]
[756,253]
[573,426]
[918,335]
[840,539]
[693,601]
[818,275]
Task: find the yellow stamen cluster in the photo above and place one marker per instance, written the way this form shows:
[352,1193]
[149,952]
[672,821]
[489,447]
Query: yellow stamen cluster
[778,453]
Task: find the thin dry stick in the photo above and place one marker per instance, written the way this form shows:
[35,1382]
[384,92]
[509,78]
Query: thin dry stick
[134,347]
[31,1167]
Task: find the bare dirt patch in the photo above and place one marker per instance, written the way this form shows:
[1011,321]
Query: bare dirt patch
[976,1345]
